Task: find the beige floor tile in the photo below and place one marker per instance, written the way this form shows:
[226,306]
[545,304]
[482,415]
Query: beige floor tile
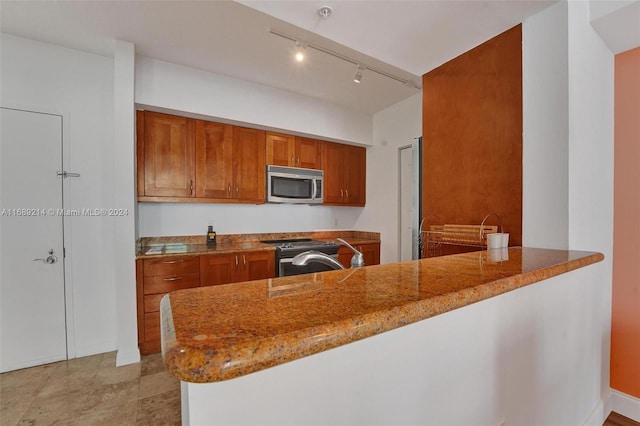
[109,359]
[12,411]
[126,373]
[64,409]
[33,376]
[113,394]
[158,383]
[161,409]
[121,415]
[152,364]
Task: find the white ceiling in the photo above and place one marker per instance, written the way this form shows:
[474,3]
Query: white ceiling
[404,38]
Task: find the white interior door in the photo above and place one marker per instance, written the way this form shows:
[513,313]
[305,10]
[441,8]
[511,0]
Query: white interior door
[32,292]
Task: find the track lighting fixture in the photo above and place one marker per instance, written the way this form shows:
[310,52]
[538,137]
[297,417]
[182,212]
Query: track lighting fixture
[358,77]
[300,54]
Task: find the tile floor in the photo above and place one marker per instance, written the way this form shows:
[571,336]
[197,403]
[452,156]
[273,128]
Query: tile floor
[91,391]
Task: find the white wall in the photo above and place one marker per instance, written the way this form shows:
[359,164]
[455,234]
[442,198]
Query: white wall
[568,161]
[545,152]
[80,85]
[591,89]
[393,127]
[179,88]
[125,197]
[160,219]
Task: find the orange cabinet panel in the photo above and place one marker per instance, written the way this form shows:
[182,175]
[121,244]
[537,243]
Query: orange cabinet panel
[168,165]
[344,174]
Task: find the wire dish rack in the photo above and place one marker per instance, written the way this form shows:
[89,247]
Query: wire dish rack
[458,235]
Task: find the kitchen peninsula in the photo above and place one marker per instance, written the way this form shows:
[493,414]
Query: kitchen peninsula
[386,364]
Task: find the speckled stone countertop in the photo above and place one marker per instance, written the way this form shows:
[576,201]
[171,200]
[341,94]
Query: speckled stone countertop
[221,332]
[193,245]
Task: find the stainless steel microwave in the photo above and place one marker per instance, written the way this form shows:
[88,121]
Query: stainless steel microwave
[294,185]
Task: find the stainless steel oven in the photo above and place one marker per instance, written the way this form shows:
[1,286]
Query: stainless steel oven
[287,249]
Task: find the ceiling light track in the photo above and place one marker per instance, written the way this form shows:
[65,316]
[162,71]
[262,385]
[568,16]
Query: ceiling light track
[361,67]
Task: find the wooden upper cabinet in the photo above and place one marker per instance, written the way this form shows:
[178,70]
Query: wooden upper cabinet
[168,156]
[344,174]
[292,151]
[308,153]
[355,174]
[280,149]
[249,165]
[214,155]
[188,160]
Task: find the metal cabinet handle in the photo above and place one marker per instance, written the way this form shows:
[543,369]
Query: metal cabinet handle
[244,262]
[191,186]
[298,161]
[173,279]
[293,163]
[236,262]
[341,194]
[347,192]
[237,189]
[229,188]
[171,262]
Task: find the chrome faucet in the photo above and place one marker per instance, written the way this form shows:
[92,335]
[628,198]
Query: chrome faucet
[357,261]
[306,257]
[302,259]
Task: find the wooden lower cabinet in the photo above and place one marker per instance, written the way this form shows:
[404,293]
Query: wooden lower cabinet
[157,277]
[216,269]
[371,253]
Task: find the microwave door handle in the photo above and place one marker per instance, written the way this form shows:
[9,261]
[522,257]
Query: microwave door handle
[315,189]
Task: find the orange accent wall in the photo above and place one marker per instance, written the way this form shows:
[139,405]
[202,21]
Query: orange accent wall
[625,319]
[472,137]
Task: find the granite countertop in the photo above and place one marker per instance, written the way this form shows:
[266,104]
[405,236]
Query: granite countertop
[222,332]
[193,245]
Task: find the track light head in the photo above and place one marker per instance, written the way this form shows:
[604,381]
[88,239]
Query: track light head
[299,53]
[358,77]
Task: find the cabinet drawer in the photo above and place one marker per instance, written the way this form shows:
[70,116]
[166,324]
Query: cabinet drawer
[152,302]
[171,266]
[167,283]
[152,326]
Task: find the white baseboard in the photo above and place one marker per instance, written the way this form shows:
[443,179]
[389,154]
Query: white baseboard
[598,414]
[627,405]
[124,358]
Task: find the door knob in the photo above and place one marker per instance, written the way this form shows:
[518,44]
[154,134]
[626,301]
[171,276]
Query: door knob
[51,259]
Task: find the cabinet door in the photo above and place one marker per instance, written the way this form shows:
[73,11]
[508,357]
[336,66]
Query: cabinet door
[332,164]
[280,149]
[307,153]
[344,256]
[355,159]
[249,165]
[258,265]
[214,166]
[218,269]
[371,253]
[168,156]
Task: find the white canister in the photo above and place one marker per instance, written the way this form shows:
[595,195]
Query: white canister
[494,241]
[504,240]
